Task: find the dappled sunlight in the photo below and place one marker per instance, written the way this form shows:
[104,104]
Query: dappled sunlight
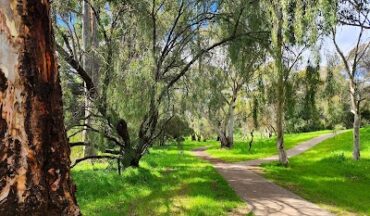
[167,181]
[327,174]
[261,148]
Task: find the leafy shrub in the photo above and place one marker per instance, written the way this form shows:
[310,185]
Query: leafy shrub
[175,128]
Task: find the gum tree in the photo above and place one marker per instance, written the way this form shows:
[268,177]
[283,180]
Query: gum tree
[293,24]
[357,15]
[34,152]
[152,63]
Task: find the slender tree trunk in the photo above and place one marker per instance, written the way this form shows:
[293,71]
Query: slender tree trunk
[283,159]
[34,152]
[90,64]
[279,67]
[356,121]
[356,137]
[251,141]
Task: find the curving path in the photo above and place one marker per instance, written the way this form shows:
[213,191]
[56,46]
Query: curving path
[263,196]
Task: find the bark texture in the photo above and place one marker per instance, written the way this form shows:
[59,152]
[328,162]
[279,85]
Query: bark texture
[226,129]
[224,140]
[355,108]
[230,120]
[34,152]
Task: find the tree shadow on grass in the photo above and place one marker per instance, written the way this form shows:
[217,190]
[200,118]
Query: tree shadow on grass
[166,185]
[334,180]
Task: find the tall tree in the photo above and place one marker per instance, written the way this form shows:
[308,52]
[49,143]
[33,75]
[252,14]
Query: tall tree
[162,57]
[354,13]
[289,20]
[91,65]
[224,74]
[34,152]
[223,83]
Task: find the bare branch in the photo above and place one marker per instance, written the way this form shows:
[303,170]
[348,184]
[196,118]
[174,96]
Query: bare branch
[80,70]
[341,54]
[75,144]
[94,158]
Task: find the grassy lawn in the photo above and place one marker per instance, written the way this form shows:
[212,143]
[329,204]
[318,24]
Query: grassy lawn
[262,147]
[327,175]
[167,183]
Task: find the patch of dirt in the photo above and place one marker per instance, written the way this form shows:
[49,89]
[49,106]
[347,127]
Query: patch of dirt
[241,211]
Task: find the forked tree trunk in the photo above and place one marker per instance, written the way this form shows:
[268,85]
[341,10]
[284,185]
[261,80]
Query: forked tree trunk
[224,140]
[34,152]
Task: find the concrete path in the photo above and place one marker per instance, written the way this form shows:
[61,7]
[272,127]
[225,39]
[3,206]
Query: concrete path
[264,197]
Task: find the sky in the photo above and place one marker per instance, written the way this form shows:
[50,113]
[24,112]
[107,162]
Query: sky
[346,38]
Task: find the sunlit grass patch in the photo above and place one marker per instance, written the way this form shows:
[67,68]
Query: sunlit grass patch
[167,183]
[328,175]
[262,146]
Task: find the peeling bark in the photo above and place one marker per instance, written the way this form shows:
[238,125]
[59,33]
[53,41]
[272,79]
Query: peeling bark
[34,153]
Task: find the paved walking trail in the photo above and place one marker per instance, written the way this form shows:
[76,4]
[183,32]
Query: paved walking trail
[263,196]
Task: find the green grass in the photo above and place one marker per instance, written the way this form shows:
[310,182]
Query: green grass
[262,147]
[327,175]
[167,183]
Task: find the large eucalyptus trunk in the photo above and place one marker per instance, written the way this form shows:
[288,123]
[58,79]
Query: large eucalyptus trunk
[356,121]
[34,152]
[279,68]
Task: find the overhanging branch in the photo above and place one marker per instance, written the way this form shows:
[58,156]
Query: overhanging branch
[94,157]
[80,70]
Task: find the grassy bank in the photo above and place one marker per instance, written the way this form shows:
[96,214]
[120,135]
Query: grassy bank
[167,183]
[262,147]
[328,175]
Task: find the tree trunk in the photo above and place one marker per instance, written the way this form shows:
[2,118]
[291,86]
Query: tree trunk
[356,121]
[251,141]
[283,159]
[193,137]
[230,123]
[135,162]
[90,64]
[279,67]
[224,140]
[356,137]
[34,152]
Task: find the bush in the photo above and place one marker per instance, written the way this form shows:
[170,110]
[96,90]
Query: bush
[175,128]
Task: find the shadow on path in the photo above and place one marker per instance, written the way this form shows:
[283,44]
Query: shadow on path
[264,197]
